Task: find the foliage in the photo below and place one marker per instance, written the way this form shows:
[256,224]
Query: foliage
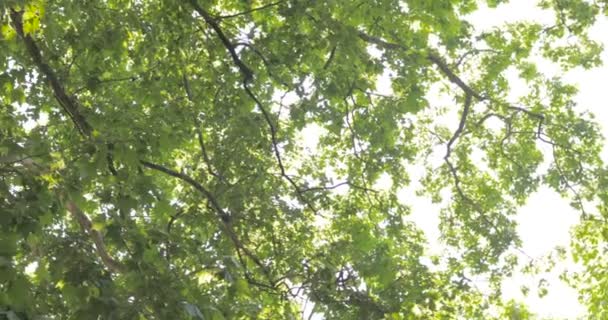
[152,161]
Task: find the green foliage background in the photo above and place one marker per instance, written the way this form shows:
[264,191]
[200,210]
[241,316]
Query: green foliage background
[170,180]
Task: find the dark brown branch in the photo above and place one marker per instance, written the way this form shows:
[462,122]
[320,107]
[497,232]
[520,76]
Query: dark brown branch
[247,73]
[264,60]
[82,219]
[562,19]
[70,106]
[469,93]
[204,153]
[435,59]
[273,132]
[381,43]
[472,51]
[208,195]
[247,77]
[275,146]
[330,58]
[488,116]
[240,246]
[110,159]
[443,66]
[532,114]
[461,125]
[509,133]
[67,103]
[349,124]
[224,216]
[464,197]
[13,159]
[100,82]
[344,183]
[453,170]
[173,219]
[69,67]
[249,277]
[540,135]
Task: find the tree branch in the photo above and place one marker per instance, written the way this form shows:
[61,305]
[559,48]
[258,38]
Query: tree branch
[83,220]
[461,125]
[275,147]
[250,10]
[199,133]
[247,77]
[67,103]
[435,59]
[247,73]
[344,183]
[214,203]
[87,227]
[224,216]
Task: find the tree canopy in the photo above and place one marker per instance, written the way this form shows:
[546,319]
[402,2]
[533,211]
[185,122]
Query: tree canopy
[153,159]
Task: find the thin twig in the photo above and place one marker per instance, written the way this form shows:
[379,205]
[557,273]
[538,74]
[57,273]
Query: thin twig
[199,132]
[249,11]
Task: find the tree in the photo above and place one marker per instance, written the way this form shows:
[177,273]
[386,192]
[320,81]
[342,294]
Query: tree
[153,168]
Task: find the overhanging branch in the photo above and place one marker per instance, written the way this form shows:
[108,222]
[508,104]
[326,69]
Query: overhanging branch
[189,180]
[211,21]
[247,77]
[83,220]
[67,103]
[435,59]
[87,227]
